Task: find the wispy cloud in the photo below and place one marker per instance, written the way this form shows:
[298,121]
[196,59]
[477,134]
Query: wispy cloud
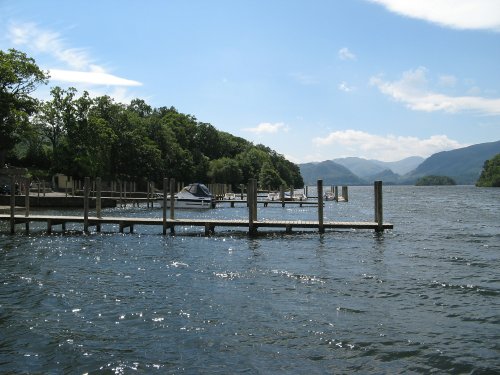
[95,78]
[82,70]
[387,148]
[268,128]
[345,54]
[343,86]
[458,14]
[412,90]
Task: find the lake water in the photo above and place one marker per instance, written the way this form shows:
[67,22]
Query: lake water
[422,298]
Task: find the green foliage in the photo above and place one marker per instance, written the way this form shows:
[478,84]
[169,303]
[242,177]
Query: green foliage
[269,177]
[19,77]
[225,170]
[83,136]
[435,180]
[490,176]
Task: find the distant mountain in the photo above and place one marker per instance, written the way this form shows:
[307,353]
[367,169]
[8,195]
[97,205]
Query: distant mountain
[403,166]
[366,169]
[464,165]
[361,167]
[330,172]
[387,176]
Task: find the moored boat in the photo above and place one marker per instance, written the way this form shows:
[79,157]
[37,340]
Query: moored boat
[196,196]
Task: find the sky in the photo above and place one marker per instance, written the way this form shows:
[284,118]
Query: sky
[312,79]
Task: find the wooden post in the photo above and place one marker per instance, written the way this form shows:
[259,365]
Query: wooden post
[336,194]
[165,190]
[242,188]
[254,200]
[379,215]
[27,203]
[66,189]
[98,206]
[12,203]
[172,204]
[27,197]
[345,193]
[86,205]
[44,188]
[282,195]
[320,207]
[250,187]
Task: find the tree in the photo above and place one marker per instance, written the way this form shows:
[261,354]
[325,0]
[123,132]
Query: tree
[19,77]
[490,176]
[225,170]
[435,180]
[58,115]
[269,178]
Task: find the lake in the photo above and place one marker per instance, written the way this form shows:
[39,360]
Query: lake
[421,298]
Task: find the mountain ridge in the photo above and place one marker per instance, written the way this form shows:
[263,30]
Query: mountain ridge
[464,165]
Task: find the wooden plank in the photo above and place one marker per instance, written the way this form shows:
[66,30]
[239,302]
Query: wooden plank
[208,223]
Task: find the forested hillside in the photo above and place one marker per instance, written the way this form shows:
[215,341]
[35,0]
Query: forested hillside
[490,176]
[464,165]
[79,135]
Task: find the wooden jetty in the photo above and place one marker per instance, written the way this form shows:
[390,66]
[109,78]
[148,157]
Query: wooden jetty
[169,223]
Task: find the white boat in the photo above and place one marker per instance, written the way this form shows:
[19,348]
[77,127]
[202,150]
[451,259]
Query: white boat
[329,196]
[296,196]
[193,196]
[273,196]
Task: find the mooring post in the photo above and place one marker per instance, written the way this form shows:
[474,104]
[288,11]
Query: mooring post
[345,193]
[320,207]
[12,203]
[254,199]
[27,203]
[242,188]
[86,189]
[98,206]
[165,190]
[336,194]
[250,198]
[148,187]
[379,214]
[282,195]
[172,204]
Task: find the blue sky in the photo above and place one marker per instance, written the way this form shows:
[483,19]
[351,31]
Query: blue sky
[313,80]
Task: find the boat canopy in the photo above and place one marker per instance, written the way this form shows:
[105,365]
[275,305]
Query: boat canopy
[198,190]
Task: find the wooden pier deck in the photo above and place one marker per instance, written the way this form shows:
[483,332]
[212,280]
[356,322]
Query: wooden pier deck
[169,224]
[252,223]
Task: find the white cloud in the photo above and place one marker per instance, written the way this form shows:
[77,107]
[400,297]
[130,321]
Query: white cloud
[82,69]
[412,90]
[268,128]
[345,54]
[45,41]
[386,148]
[94,78]
[343,86]
[458,14]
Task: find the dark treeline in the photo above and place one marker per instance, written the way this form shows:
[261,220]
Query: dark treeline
[80,136]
